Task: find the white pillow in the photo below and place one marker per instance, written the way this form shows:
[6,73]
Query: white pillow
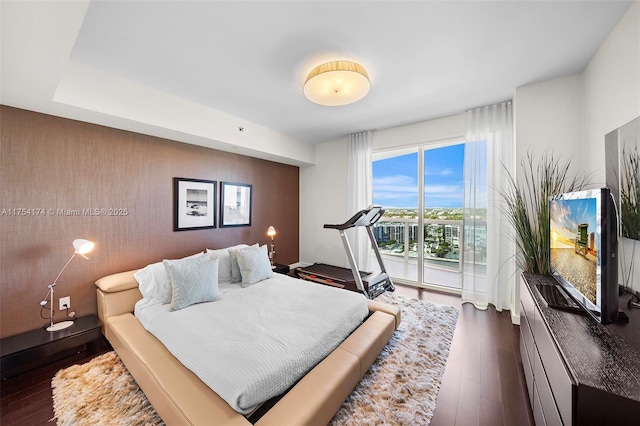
[154,281]
[236,277]
[254,264]
[193,280]
[224,268]
[224,265]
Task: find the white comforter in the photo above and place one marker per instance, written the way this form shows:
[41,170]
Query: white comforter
[256,342]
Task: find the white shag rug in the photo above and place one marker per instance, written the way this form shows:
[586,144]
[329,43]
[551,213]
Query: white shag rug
[400,388]
[402,385]
[100,392]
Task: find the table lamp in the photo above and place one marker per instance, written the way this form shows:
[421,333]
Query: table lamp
[81,247]
[272,252]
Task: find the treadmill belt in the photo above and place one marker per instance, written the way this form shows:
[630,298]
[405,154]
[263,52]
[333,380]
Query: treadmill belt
[329,275]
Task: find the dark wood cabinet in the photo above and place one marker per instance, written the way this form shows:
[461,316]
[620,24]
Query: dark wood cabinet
[578,372]
[32,349]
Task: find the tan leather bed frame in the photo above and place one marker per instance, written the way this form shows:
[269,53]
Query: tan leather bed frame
[180,398]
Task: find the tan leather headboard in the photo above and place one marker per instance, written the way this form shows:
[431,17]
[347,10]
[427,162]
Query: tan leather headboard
[117,294]
[118,282]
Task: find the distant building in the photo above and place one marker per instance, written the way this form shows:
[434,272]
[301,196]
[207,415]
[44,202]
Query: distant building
[433,233]
[394,231]
[451,234]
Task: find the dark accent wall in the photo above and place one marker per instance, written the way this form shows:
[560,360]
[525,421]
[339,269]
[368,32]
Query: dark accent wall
[50,163]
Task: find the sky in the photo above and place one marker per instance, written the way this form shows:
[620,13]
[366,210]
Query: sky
[395,180]
[566,215]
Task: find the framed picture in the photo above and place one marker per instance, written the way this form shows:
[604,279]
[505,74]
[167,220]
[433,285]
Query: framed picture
[235,204]
[195,204]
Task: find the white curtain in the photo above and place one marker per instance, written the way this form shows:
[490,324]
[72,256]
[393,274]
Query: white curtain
[489,248]
[360,193]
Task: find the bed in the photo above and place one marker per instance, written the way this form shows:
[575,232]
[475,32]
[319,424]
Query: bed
[181,397]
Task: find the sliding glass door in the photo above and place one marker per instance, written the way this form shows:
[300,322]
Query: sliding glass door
[420,235]
[443,196]
[396,186]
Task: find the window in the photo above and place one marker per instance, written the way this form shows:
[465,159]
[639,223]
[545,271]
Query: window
[396,188]
[420,234]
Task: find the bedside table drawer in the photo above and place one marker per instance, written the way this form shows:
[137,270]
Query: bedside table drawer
[26,351]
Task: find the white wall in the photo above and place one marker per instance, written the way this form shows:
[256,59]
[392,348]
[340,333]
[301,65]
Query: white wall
[612,87]
[442,129]
[548,116]
[323,195]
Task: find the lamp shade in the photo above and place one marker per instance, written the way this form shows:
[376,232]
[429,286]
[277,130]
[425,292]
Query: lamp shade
[83,246]
[337,83]
[271,231]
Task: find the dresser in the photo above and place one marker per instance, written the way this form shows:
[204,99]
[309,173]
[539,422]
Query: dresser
[578,372]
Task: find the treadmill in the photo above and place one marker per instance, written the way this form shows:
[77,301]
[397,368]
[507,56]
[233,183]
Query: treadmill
[371,285]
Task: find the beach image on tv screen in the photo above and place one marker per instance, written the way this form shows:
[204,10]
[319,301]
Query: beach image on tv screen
[573,243]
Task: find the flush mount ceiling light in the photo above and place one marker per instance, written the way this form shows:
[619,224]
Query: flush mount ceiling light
[337,83]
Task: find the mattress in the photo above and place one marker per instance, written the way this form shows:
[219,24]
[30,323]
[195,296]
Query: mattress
[256,342]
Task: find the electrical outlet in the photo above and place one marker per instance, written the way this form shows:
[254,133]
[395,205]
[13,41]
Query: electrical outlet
[65,303]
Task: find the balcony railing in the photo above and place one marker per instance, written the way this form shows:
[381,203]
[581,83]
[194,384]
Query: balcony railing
[442,264]
[398,238]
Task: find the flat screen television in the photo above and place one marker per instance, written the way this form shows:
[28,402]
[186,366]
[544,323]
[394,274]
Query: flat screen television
[583,243]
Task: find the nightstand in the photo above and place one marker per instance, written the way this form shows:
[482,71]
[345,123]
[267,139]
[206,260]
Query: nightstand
[280,268]
[32,349]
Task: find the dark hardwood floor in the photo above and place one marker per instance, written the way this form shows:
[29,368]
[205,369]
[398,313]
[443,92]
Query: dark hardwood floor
[26,399]
[483,383]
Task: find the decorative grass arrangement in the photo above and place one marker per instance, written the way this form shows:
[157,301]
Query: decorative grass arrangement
[630,193]
[527,206]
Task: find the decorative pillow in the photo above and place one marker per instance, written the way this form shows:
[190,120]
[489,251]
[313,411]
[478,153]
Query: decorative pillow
[236,276]
[154,282]
[254,264]
[193,281]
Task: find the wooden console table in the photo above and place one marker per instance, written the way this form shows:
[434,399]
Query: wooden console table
[578,372]
[32,349]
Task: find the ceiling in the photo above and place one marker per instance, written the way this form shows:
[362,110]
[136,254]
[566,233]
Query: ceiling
[248,59]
